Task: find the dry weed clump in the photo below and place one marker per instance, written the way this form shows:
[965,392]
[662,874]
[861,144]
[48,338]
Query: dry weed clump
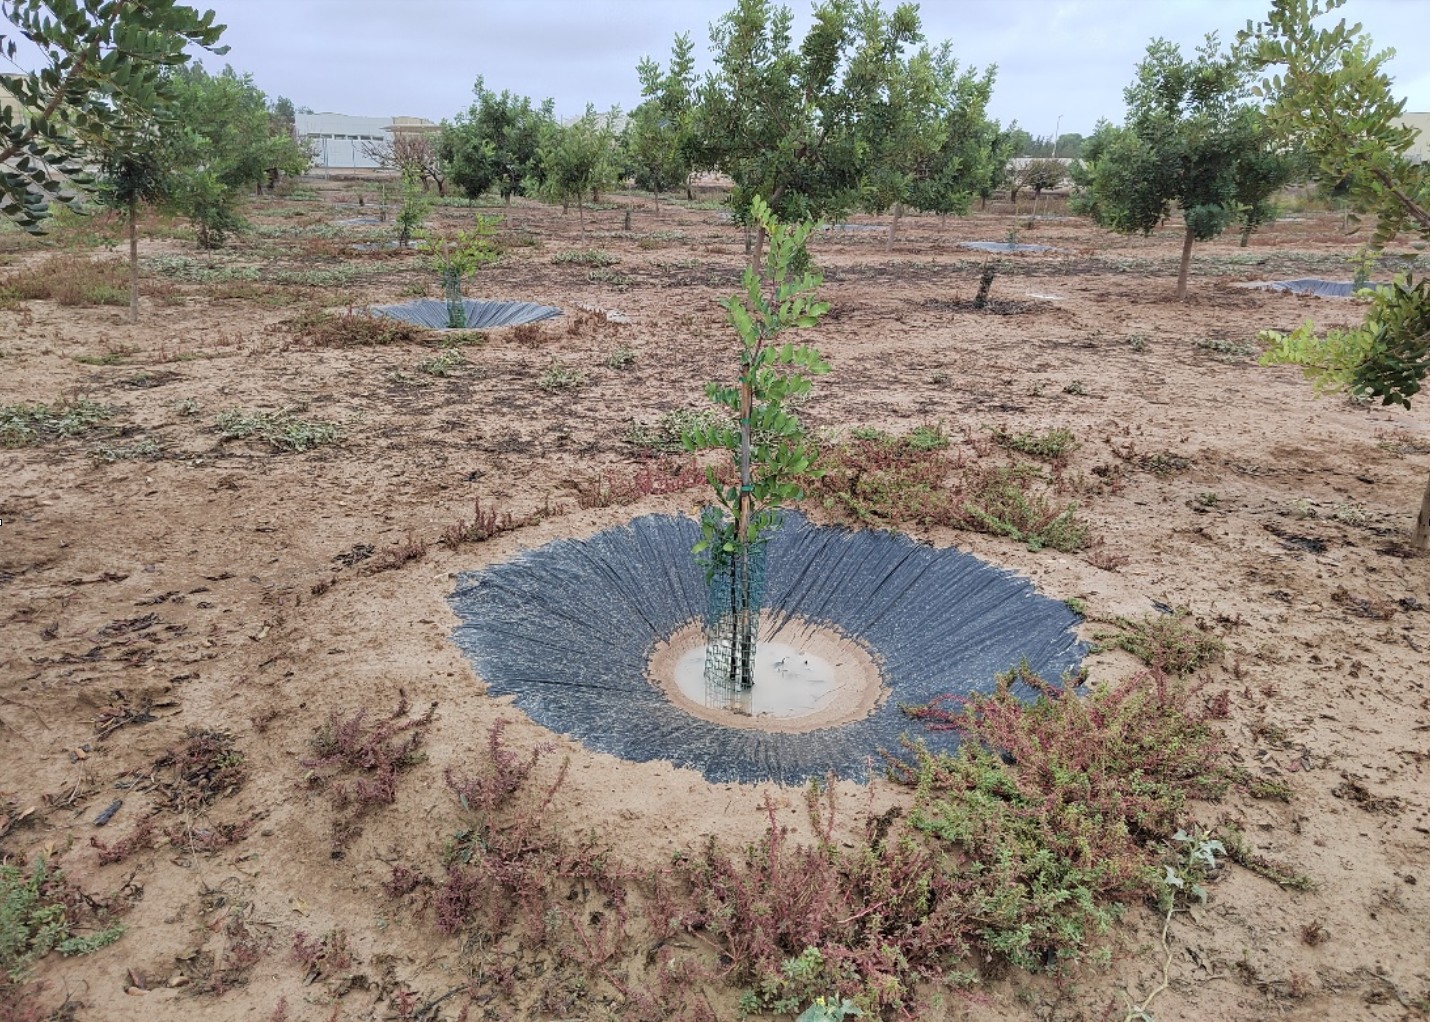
[375,752]
[1012,501]
[652,476]
[353,329]
[488,522]
[70,278]
[885,481]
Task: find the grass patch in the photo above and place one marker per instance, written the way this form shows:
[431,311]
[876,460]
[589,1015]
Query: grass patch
[1054,445]
[1172,643]
[1008,501]
[281,430]
[24,424]
[1226,349]
[70,278]
[622,358]
[587,257]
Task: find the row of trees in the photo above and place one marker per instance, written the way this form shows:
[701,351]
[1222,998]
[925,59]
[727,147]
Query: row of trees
[862,115]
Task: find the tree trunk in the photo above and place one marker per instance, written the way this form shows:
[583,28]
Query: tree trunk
[133,267]
[581,218]
[1422,522]
[744,624]
[1186,264]
[758,255]
[894,225]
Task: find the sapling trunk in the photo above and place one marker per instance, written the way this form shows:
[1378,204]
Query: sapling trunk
[894,225]
[1422,521]
[1186,264]
[133,266]
[743,639]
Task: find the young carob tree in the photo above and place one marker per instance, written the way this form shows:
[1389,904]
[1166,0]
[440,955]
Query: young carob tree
[766,442]
[1331,94]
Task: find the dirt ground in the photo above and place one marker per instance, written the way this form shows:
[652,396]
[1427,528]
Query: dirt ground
[225,587]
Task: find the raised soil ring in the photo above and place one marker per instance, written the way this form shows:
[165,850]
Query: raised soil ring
[481,315]
[806,677]
[589,636]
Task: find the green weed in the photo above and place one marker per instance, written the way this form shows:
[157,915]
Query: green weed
[37,917]
[667,434]
[281,430]
[560,377]
[1054,445]
[1006,501]
[1171,643]
[589,257]
[24,424]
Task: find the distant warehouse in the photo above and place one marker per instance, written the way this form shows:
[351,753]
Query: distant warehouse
[1420,151]
[342,142]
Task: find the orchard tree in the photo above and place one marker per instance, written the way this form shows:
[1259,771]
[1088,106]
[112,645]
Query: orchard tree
[219,141]
[1191,142]
[411,151]
[780,120]
[897,98]
[660,140]
[496,144]
[579,159]
[971,152]
[1331,94]
[101,70]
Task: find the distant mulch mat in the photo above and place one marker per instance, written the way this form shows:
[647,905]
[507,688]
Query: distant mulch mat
[1004,246]
[1308,286]
[991,306]
[432,312]
[568,630]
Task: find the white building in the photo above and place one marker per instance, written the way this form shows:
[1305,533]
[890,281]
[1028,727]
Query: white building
[343,142]
[1420,151]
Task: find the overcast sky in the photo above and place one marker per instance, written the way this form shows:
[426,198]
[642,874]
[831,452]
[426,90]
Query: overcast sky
[1056,58]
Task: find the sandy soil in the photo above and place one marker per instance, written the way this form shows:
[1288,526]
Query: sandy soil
[223,585]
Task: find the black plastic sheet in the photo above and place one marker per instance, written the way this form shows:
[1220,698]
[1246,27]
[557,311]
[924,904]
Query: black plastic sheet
[1312,286]
[432,312]
[1004,246]
[567,629]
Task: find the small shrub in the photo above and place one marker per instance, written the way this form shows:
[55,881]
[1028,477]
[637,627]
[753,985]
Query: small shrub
[1171,643]
[281,430]
[1055,445]
[1003,501]
[24,424]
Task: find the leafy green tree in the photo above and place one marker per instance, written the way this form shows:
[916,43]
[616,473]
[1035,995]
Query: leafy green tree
[972,151]
[101,71]
[765,439]
[660,138]
[1332,95]
[780,120]
[898,97]
[219,141]
[1191,141]
[496,144]
[579,159]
